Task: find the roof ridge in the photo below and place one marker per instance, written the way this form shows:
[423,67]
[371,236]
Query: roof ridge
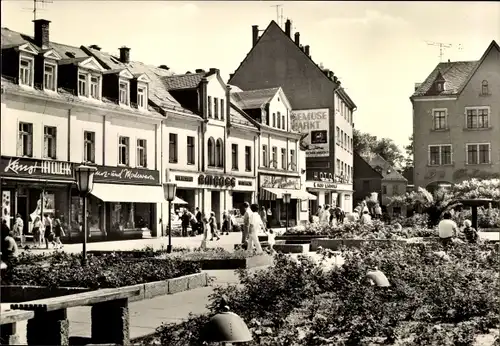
[185,75]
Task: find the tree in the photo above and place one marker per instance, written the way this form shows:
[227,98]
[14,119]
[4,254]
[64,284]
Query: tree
[364,143]
[409,153]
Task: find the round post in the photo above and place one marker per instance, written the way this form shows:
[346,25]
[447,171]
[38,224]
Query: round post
[286,227]
[85,232]
[169,246]
[474,217]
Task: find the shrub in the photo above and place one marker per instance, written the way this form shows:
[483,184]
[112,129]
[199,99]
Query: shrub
[65,270]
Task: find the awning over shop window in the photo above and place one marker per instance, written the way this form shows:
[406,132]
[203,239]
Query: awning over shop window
[272,194]
[128,193]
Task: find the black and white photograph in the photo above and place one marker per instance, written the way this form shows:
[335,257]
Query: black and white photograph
[294,173]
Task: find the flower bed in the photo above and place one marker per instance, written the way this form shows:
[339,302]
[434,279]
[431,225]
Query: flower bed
[432,301]
[107,271]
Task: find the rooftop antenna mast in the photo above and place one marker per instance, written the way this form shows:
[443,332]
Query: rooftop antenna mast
[442,46]
[279,18]
[37,7]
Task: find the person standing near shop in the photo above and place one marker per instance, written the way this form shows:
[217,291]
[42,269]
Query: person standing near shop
[255,226]
[213,226]
[246,223]
[58,233]
[263,216]
[199,223]
[47,234]
[18,229]
[185,222]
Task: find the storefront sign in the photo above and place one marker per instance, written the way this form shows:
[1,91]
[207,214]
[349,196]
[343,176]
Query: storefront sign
[280,182]
[126,175]
[325,185]
[216,181]
[322,176]
[183,178]
[315,123]
[244,183]
[34,168]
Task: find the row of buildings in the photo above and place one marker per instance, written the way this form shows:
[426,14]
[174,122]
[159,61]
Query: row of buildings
[274,128]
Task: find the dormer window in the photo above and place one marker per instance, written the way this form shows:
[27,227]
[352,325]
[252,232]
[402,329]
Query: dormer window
[94,87]
[141,97]
[82,84]
[26,71]
[89,85]
[49,77]
[440,86]
[123,93]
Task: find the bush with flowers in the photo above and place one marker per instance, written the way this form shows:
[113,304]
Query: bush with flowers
[433,300]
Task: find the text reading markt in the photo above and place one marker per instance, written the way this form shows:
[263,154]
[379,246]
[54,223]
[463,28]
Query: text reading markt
[309,120]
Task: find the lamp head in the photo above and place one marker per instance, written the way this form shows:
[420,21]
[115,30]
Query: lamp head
[169,190]
[84,176]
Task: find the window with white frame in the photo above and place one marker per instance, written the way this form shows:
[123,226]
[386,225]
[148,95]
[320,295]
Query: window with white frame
[141,97]
[123,93]
[477,117]
[49,77]
[26,71]
[439,119]
[94,87]
[338,167]
[283,158]
[484,88]
[219,153]
[142,156]
[216,107]
[211,152]
[222,103]
[440,154]
[172,147]
[275,157]
[49,142]
[123,150]
[82,84]
[274,119]
[478,153]
[279,120]
[292,160]
[234,156]
[264,155]
[248,159]
[89,146]
[209,106]
[283,122]
[25,140]
[338,135]
[190,150]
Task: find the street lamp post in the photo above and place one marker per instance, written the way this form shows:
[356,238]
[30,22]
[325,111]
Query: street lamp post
[84,176]
[169,191]
[286,199]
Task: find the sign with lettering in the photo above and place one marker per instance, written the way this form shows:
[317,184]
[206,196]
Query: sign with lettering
[325,185]
[33,168]
[183,178]
[315,123]
[280,182]
[216,181]
[244,183]
[60,170]
[126,175]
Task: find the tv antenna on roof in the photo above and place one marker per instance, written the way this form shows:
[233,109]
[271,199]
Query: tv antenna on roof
[279,14]
[442,46]
[38,5]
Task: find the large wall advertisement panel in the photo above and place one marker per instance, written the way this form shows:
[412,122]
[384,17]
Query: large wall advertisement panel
[315,124]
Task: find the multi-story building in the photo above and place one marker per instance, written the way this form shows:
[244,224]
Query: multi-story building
[278,153]
[456,121]
[319,105]
[64,105]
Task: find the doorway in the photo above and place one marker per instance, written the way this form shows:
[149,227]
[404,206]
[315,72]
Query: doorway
[22,209]
[216,206]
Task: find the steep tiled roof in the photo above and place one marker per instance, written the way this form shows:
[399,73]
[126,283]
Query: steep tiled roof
[388,172]
[253,99]
[184,81]
[455,75]
[237,118]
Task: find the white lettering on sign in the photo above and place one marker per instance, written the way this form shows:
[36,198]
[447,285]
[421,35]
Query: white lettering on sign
[315,123]
[45,167]
[124,174]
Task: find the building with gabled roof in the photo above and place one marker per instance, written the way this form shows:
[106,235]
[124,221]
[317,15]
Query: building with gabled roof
[456,121]
[321,109]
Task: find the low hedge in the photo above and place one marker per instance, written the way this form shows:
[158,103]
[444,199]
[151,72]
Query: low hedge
[299,302]
[107,271]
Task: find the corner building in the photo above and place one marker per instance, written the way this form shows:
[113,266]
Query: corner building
[319,107]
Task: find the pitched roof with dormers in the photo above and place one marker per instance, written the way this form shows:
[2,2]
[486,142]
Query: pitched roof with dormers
[379,164]
[456,75]
[239,117]
[253,99]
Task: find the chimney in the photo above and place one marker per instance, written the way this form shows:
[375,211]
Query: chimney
[288,27]
[214,70]
[307,50]
[326,72]
[124,54]
[297,38]
[199,70]
[335,79]
[96,47]
[164,67]
[417,85]
[330,75]
[255,34]
[42,33]
[231,75]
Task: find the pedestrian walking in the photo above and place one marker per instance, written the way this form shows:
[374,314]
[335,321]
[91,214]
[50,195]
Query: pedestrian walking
[18,229]
[246,223]
[204,227]
[58,234]
[213,226]
[227,223]
[447,230]
[263,216]
[37,232]
[185,222]
[255,226]
[48,233]
[199,221]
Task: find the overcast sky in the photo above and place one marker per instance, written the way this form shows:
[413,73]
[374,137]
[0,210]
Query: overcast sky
[378,49]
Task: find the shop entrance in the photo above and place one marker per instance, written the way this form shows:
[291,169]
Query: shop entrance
[188,196]
[241,197]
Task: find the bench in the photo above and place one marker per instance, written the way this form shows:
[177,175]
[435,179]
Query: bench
[8,324]
[110,323]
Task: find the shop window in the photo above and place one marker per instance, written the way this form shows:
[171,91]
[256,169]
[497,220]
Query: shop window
[248,158]
[129,216]
[234,157]
[89,146]
[211,152]
[123,150]
[25,140]
[190,150]
[49,142]
[142,153]
[172,148]
[219,153]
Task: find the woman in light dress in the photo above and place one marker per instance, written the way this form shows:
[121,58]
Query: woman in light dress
[205,226]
